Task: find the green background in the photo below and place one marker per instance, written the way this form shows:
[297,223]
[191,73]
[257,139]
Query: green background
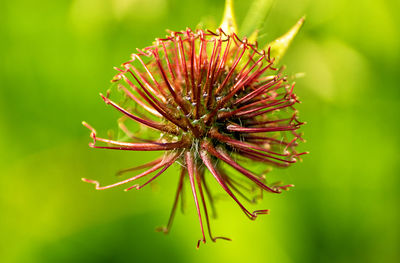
[56,56]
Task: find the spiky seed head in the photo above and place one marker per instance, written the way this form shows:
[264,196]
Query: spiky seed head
[213,101]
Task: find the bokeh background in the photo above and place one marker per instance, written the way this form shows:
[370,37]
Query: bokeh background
[56,56]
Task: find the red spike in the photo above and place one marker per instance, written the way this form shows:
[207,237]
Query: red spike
[252,156]
[140,102]
[214,62]
[243,48]
[159,106]
[258,91]
[192,70]
[151,124]
[181,53]
[166,166]
[207,161]
[236,128]
[243,112]
[225,157]
[171,72]
[209,68]
[200,187]
[224,58]
[174,206]
[257,113]
[160,89]
[190,168]
[240,144]
[178,100]
[159,93]
[154,168]
[239,84]
[149,164]
[155,146]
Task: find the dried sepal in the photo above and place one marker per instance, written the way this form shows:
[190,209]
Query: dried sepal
[280,45]
[228,24]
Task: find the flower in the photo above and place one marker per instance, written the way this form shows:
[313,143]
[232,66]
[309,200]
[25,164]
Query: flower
[215,102]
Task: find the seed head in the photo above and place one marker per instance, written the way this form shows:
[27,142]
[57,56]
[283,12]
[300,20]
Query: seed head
[214,101]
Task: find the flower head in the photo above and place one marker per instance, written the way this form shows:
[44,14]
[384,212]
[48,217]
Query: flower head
[216,102]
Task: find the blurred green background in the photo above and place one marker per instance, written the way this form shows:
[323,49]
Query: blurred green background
[58,55]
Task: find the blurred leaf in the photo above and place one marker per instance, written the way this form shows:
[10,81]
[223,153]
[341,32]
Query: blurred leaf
[255,16]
